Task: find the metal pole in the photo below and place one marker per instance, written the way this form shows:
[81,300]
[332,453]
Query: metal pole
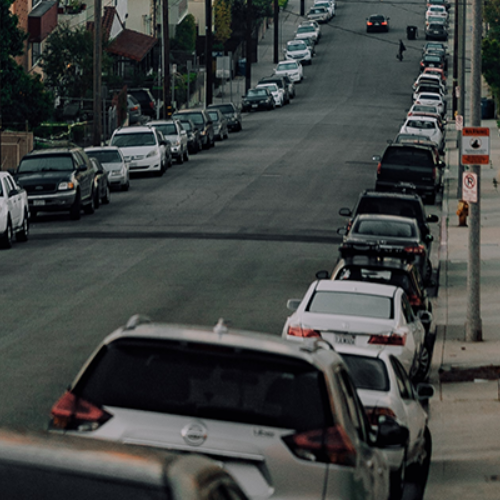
[166,57]
[473,326]
[208,53]
[460,35]
[248,74]
[97,104]
[276,30]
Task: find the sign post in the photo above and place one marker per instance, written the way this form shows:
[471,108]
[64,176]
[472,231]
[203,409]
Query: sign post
[475,146]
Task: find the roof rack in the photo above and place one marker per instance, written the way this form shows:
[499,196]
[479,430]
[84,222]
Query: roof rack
[136,320]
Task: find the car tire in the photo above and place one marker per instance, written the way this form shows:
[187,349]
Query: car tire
[424,365]
[23,234]
[75,212]
[186,155]
[97,200]
[419,473]
[397,481]
[90,207]
[107,196]
[126,186]
[7,237]
[180,159]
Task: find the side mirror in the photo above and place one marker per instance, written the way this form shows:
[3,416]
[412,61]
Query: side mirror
[425,391]
[322,275]
[376,157]
[345,212]
[81,168]
[429,238]
[342,231]
[293,304]
[390,433]
[432,218]
[425,317]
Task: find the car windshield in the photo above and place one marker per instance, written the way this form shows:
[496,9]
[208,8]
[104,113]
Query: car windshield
[286,66]
[213,115]
[133,140]
[305,29]
[209,382]
[296,46]
[196,118]
[271,86]
[317,10]
[226,108]
[257,92]
[166,128]
[46,163]
[392,228]
[106,156]
[367,373]
[351,304]
[186,126]
[429,97]
[425,109]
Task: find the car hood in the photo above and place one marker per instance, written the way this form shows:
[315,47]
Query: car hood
[137,150]
[35,177]
[255,98]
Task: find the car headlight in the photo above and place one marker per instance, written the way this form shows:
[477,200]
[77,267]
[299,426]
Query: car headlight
[153,152]
[116,173]
[65,186]
[175,143]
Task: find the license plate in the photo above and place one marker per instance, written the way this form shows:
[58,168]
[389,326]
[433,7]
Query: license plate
[38,203]
[255,105]
[345,339]
[133,164]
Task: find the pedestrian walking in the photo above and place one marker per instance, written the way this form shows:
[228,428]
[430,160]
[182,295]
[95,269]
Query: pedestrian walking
[401,49]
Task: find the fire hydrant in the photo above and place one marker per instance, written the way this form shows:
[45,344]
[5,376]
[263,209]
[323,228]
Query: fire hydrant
[462,212]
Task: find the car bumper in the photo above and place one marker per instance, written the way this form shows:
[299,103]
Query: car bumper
[52,202]
[145,166]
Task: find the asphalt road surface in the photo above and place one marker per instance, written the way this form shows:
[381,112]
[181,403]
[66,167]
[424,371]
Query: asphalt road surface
[233,233]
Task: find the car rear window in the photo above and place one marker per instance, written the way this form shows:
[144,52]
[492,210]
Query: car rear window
[226,108]
[408,157]
[105,156]
[208,381]
[196,118]
[351,304]
[367,373]
[166,128]
[421,124]
[392,228]
[46,163]
[389,206]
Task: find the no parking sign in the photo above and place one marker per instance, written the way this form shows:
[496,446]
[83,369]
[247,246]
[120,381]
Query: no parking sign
[469,187]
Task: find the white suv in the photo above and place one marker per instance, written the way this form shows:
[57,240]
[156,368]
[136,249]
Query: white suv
[283,417]
[143,147]
[174,133]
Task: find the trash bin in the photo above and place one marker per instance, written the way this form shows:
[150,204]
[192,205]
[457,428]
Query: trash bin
[487,108]
[411,32]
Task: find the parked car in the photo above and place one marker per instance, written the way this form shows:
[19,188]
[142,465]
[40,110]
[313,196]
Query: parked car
[232,114]
[419,140]
[202,122]
[14,211]
[361,314]
[113,161]
[176,136]
[277,93]
[146,100]
[425,126]
[292,69]
[318,13]
[298,50]
[102,192]
[46,466]
[432,99]
[144,148]
[284,419]
[307,31]
[134,110]
[377,234]
[386,391]
[57,180]
[193,135]
[221,129]
[391,203]
[377,22]
[402,272]
[256,99]
[409,166]
[329,5]
[282,83]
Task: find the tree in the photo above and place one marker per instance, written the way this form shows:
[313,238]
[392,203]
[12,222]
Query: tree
[185,35]
[23,97]
[491,47]
[222,20]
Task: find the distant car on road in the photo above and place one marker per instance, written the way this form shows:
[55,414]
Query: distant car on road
[377,22]
[112,160]
[258,98]
[202,122]
[232,114]
[219,121]
[176,136]
[292,69]
[101,184]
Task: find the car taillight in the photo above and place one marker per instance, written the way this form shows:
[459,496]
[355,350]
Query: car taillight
[135,108]
[74,413]
[331,445]
[384,23]
[298,331]
[414,300]
[373,413]
[415,249]
[369,23]
[152,105]
[434,174]
[379,168]
[394,339]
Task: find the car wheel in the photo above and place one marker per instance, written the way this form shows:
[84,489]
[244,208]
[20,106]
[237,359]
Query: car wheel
[424,365]
[419,472]
[89,208]
[397,481]
[33,214]
[75,211]
[240,127]
[7,237]
[126,186]
[97,200]
[22,235]
[186,155]
[180,159]
[107,196]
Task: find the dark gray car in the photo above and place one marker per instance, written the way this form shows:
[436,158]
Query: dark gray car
[202,122]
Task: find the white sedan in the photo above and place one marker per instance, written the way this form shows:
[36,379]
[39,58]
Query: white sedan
[14,211]
[386,391]
[426,126]
[292,69]
[363,315]
[277,93]
[431,99]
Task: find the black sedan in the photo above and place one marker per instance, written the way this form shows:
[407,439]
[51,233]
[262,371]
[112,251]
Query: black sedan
[436,32]
[377,22]
[257,99]
[101,183]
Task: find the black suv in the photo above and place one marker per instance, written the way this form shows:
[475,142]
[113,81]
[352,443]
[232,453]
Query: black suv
[58,180]
[146,100]
[403,204]
[202,122]
[387,271]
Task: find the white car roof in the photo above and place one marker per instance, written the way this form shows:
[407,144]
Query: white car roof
[356,287]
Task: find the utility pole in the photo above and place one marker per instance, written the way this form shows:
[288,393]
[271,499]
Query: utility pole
[276,20]
[460,36]
[208,53]
[166,58]
[97,104]
[473,325]
[248,73]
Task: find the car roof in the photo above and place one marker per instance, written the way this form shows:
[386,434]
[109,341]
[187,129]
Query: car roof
[356,287]
[390,194]
[161,122]
[132,130]
[140,327]
[102,148]
[386,218]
